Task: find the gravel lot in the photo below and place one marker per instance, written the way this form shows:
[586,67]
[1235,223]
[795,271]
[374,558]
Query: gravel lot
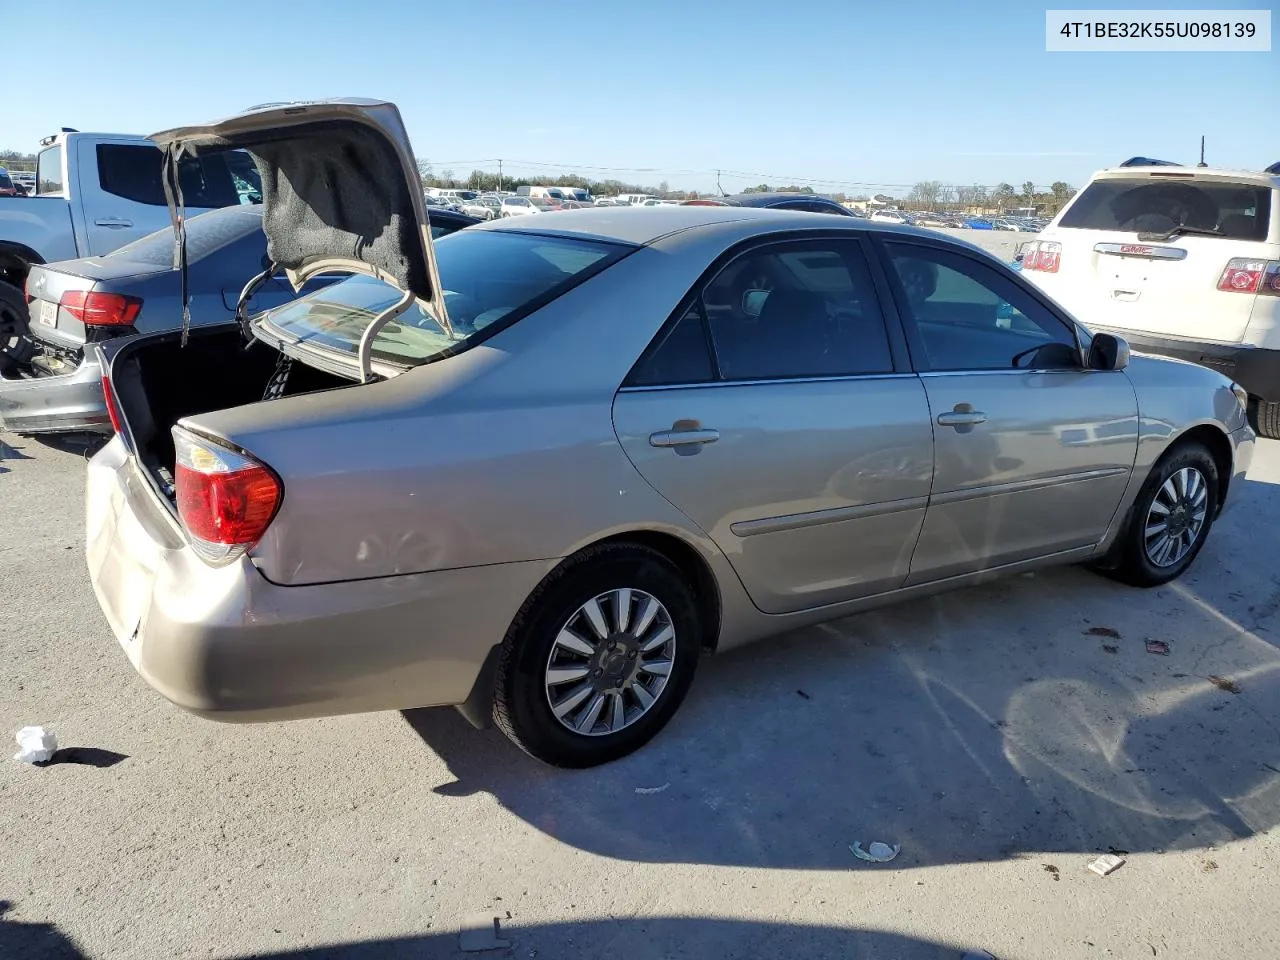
[989,732]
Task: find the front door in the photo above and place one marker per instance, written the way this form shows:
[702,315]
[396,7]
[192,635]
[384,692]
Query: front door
[774,413]
[1032,451]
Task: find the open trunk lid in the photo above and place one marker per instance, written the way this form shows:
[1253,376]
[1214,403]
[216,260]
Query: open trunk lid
[340,193]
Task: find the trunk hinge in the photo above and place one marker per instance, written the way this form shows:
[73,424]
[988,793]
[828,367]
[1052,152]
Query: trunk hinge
[246,295]
[381,320]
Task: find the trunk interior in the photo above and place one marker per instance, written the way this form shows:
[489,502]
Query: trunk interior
[157,382]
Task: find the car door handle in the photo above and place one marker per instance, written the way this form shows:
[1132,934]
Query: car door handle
[962,416]
[681,438]
[113,222]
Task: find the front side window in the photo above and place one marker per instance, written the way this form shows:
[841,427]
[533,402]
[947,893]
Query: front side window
[1233,211]
[49,171]
[135,172]
[787,311]
[489,278]
[971,317]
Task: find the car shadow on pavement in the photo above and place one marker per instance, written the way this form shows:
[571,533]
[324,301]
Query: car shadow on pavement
[623,939]
[1025,716]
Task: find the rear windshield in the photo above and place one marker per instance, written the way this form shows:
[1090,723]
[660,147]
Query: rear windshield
[1236,211]
[205,234]
[490,279]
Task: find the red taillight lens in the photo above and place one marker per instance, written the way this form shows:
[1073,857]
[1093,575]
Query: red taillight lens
[113,411]
[1043,255]
[101,309]
[1245,275]
[226,500]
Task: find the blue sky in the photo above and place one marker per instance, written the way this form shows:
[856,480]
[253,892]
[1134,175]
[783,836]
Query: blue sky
[829,90]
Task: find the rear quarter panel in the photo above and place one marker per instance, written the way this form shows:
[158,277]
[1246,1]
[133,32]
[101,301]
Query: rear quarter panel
[506,452]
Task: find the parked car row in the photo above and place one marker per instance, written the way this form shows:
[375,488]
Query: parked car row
[404,453]
[958,221]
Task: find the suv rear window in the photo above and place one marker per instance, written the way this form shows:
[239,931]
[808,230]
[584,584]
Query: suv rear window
[1238,211]
[490,278]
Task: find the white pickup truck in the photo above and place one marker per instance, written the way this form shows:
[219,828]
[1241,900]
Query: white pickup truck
[96,192]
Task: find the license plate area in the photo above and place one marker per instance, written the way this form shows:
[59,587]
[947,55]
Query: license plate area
[48,314]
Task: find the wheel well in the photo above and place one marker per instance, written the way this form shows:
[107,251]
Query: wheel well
[15,263]
[690,563]
[1219,447]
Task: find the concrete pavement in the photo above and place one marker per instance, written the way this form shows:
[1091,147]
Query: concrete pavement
[988,731]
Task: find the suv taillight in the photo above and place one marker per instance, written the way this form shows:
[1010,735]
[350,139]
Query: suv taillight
[226,500]
[1250,275]
[1043,255]
[101,309]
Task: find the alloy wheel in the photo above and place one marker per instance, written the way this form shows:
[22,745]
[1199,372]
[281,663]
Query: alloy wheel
[610,662]
[1176,517]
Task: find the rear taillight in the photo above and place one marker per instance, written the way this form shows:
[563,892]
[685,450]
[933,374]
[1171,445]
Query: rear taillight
[226,500]
[113,410]
[101,309]
[1043,255]
[1249,275]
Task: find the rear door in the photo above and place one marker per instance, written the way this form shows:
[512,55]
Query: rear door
[777,411]
[1114,270]
[122,194]
[1032,452]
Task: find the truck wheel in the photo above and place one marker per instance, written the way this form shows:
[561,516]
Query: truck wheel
[599,658]
[1266,418]
[13,322]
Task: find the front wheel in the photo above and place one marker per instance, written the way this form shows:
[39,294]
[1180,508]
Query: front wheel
[599,658]
[1170,518]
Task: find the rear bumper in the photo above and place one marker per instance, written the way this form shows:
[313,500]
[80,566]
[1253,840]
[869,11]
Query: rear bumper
[227,644]
[72,402]
[1254,368]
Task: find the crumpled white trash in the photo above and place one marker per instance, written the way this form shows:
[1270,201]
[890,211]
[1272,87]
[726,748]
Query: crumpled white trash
[35,745]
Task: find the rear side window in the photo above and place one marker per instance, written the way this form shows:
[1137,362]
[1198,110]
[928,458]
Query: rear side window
[787,311]
[1236,211]
[490,278]
[49,171]
[134,173]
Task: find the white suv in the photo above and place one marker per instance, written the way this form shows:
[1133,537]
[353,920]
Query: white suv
[1181,261]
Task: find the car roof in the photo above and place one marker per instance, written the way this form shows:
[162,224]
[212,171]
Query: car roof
[769,199]
[646,225]
[1176,172]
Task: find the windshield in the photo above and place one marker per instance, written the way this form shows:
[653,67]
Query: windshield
[1236,211]
[489,277]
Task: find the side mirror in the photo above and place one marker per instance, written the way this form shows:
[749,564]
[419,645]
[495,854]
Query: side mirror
[1108,352]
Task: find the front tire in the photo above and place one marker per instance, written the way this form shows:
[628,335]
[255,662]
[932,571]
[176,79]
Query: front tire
[1170,519]
[599,658]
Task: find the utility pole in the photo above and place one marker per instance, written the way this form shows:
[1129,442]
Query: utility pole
[718,187]
[499,175]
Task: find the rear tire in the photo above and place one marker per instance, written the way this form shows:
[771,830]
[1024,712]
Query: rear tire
[14,323]
[1266,418]
[608,669]
[1177,503]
